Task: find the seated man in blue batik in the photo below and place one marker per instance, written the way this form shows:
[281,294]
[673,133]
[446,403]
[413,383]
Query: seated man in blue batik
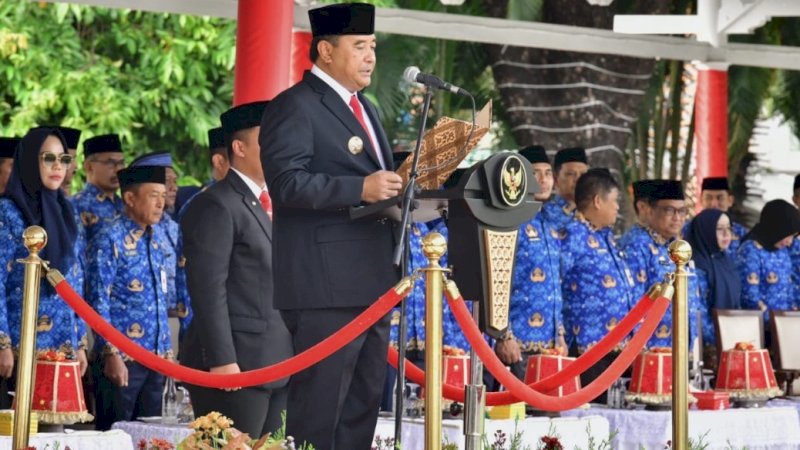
[536,322]
[569,165]
[649,261]
[597,286]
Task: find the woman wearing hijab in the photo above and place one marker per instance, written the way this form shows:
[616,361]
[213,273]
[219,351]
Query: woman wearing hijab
[710,235]
[34,197]
[765,267]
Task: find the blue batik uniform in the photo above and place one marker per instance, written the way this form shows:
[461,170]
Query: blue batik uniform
[636,238]
[452,336]
[709,336]
[96,209]
[127,285]
[168,231]
[536,304]
[596,284]
[636,233]
[648,259]
[415,302]
[57,326]
[794,256]
[558,212]
[738,232]
[766,278]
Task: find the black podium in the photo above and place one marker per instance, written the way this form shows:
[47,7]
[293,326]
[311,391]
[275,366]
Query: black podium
[483,212]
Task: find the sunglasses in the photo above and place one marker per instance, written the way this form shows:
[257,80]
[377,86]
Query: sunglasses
[49,159]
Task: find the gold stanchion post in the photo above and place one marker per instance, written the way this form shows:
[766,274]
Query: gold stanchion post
[434,246]
[34,238]
[680,252]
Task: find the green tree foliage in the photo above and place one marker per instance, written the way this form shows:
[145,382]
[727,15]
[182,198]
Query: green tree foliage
[158,80]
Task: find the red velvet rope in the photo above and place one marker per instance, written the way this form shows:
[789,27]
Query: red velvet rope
[267,374]
[553,403]
[580,365]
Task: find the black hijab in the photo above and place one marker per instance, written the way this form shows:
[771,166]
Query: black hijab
[779,220]
[39,205]
[723,278]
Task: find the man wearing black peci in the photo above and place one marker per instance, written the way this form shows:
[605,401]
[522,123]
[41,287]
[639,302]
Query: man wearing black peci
[227,242]
[323,150]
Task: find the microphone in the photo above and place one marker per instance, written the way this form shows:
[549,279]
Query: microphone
[412,74]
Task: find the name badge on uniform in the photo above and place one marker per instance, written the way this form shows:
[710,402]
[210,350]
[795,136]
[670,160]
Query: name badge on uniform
[163,281]
[355,145]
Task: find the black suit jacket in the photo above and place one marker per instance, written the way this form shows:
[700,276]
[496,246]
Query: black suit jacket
[227,244]
[321,258]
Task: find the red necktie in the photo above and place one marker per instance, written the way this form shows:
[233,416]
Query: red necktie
[357,111]
[266,203]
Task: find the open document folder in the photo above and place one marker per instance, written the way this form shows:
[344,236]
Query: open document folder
[443,148]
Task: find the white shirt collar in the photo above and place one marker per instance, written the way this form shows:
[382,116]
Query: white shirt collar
[252,185]
[335,85]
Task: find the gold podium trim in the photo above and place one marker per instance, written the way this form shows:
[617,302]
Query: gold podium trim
[499,250]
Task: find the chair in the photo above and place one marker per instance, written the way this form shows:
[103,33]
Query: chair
[785,329]
[738,325]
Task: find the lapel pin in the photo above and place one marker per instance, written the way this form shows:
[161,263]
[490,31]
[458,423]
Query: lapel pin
[355,145]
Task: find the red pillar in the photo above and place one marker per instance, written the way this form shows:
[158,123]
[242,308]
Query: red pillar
[711,123]
[263,49]
[301,44]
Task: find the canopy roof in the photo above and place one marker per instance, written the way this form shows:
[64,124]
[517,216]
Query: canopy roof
[533,34]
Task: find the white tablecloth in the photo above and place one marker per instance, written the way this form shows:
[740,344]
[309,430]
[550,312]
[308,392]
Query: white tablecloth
[77,440]
[146,431]
[755,429]
[573,431]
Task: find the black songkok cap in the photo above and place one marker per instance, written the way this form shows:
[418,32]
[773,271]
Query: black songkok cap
[342,18]
[8,145]
[574,154]
[71,135]
[643,189]
[535,154]
[216,138]
[666,190]
[141,174]
[101,144]
[715,184]
[797,181]
[242,117]
[399,157]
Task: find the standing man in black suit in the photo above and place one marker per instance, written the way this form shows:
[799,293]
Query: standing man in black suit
[323,151]
[227,239]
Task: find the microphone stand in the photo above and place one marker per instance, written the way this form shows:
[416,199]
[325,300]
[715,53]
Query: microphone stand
[402,259]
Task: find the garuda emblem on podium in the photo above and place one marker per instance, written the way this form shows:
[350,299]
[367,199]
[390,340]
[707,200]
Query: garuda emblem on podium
[513,183]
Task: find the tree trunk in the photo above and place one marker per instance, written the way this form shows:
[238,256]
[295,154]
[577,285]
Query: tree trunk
[562,99]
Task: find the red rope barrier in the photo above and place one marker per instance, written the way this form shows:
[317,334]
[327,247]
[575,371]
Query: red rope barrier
[550,403]
[267,374]
[586,360]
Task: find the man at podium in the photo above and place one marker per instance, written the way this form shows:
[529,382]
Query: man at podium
[323,150]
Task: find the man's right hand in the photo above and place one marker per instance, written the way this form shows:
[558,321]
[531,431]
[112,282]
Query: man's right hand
[508,351]
[227,369]
[381,185]
[6,363]
[115,370]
